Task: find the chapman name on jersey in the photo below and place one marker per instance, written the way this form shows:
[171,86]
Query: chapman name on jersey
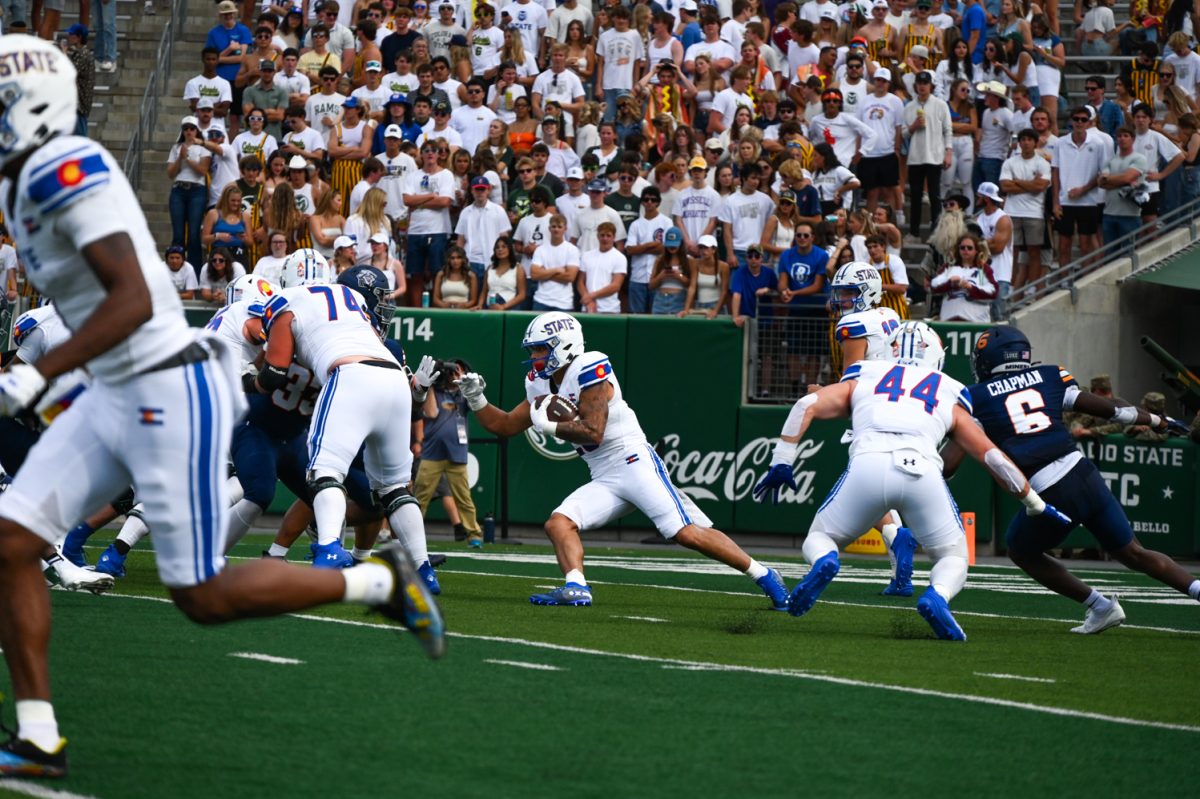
[70,193]
[875,325]
[330,323]
[1022,413]
[622,433]
[883,404]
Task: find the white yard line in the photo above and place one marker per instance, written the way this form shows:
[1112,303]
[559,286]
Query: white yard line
[651,619]
[266,658]
[787,673]
[1014,677]
[520,664]
[40,791]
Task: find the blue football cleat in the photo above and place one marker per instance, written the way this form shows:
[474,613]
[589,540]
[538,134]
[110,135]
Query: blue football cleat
[111,562]
[331,556]
[805,595]
[21,758]
[72,546]
[772,585]
[934,610]
[903,547]
[411,602]
[569,594]
[430,578]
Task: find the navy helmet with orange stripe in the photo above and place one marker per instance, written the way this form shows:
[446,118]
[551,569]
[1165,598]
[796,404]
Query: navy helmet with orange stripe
[1001,349]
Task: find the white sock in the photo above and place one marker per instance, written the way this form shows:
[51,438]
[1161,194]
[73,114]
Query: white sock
[133,530]
[329,506]
[36,724]
[949,572]
[409,529]
[1194,590]
[277,551]
[817,545]
[368,583]
[242,517]
[360,554]
[576,576]
[756,570]
[888,531]
[1098,602]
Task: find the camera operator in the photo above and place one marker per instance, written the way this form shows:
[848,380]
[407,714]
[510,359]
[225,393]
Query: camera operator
[444,450]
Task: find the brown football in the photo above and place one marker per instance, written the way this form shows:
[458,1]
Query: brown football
[560,409]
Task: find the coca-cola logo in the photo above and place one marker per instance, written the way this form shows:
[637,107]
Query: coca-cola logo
[702,474]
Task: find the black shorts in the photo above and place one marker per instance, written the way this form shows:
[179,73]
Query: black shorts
[881,172]
[1151,208]
[1084,219]
[1082,495]
[235,106]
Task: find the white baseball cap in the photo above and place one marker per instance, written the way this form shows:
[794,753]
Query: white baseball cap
[343,241]
[883,73]
[575,173]
[379,238]
[991,191]
[707,240]
[393,132]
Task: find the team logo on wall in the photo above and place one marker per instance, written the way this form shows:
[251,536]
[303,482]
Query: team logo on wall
[550,447]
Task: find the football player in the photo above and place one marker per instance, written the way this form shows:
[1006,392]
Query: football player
[863,331]
[1020,405]
[365,399]
[626,472]
[35,332]
[158,413]
[901,409]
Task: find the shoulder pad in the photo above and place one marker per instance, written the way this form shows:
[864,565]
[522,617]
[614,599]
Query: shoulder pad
[853,371]
[60,175]
[25,325]
[850,328]
[1066,377]
[273,308]
[964,399]
[594,368]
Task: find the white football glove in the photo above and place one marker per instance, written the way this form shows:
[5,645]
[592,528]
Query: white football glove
[20,387]
[539,416]
[425,376]
[472,385]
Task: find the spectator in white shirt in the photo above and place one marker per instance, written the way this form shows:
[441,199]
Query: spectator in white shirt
[479,225]
[472,120]
[1024,178]
[555,266]
[601,273]
[620,58]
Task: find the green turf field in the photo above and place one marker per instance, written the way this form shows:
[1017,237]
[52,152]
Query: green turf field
[678,678]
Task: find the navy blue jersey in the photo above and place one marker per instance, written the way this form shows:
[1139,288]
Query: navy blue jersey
[287,411]
[1023,413]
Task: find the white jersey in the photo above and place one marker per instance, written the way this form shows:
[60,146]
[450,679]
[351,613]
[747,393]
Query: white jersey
[329,324]
[895,407]
[71,193]
[622,433]
[875,325]
[39,330]
[228,324]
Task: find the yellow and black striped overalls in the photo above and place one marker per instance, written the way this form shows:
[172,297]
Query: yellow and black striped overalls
[929,38]
[1142,81]
[347,172]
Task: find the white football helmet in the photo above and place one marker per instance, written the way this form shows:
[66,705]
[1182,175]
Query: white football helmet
[559,331]
[38,97]
[249,287]
[305,268]
[857,286]
[917,344]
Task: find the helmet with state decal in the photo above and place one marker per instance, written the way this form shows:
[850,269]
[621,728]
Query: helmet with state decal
[1001,349]
[561,333]
[857,286]
[917,344]
[305,267]
[38,96]
[372,284]
[250,287]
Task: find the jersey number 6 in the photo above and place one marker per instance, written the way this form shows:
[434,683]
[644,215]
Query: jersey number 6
[1022,411]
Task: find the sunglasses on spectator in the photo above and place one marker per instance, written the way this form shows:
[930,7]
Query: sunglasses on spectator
[525,171]
[1166,74]
[1081,120]
[254,118]
[967,247]
[1094,88]
[804,235]
[650,199]
[320,35]
[786,202]
[627,178]
[216,260]
[329,78]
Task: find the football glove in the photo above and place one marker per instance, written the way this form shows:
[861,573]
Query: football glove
[472,385]
[1176,427]
[1050,512]
[20,387]
[777,477]
[539,415]
[427,373]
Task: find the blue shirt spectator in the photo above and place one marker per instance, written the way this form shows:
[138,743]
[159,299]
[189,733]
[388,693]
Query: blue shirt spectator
[975,19]
[747,281]
[221,37]
[690,35]
[804,267]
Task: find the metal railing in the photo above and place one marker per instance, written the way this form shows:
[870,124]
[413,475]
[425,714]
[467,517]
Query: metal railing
[1065,278]
[155,85]
[788,350]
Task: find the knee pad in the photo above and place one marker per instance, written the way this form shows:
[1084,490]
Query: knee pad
[124,503]
[392,498]
[318,483]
